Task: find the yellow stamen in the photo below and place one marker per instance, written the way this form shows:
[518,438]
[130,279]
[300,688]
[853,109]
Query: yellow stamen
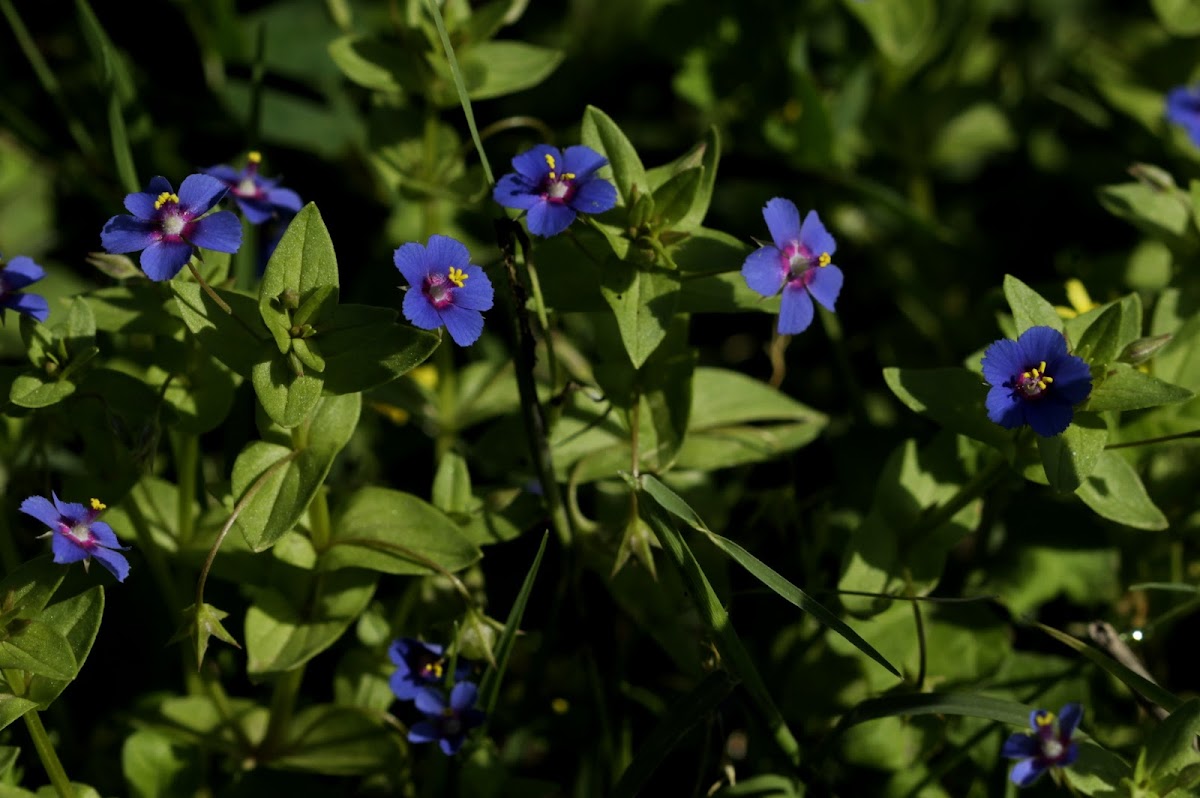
[164,198]
[552,165]
[458,276]
[98,505]
[254,156]
[1044,718]
[824,260]
[568,175]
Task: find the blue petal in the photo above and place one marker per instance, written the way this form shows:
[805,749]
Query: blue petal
[1069,755]
[1003,408]
[795,311]
[412,262]
[20,272]
[403,687]
[825,284]
[783,220]
[549,218]
[141,204]
[200,192]
[596,195]
[430,701]
[450,745]
[815,238]
[1027,772]
[105,536]
[1020,746]
[1041,343]
[285,198]
[124,233]
[445,252]
[476,293]
[157,185]
[514,191]
[116,563]
[763,271]
[72,513]
[1072,379]
[581,161]
[465,326]
[41,509]
[256,211]
[419,310]
[532,165]
[33,305]
[463,696]
[220,232]
[1068,719]
[1048,417]
[67,550]
[162,260]
[226,174]
[423,732]
[1002,361]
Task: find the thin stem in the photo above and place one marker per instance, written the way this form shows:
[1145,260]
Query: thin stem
[969,492]
[415,556]
[221,303]
[319,527]
[922,654]
[283,707]
[461,88]
[187,463]
[447,393]
[245,268]
[49,757]
[1147,441]
[514,123]
[833,329]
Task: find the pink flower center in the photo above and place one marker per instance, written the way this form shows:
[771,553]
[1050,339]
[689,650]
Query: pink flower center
[1033,383]
[439,290]
[79,533]
[557,188]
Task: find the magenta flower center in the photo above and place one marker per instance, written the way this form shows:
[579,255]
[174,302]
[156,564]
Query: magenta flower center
[798,259]
[439,290]
[1052,749]
[555,187]
[1033,383]
[81,533]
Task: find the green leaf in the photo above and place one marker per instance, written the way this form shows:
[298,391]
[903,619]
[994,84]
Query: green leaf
[338,741]
[1070,458]
[239,340]
[1126,388]
[953,397]
[1114,491]
[26,591]
[643,300]
[496,68]
[704,155]
[303,262]
[602,134]
[1162,213]
[664,396]
[287,397]
[137,306]
[901,29]
[1101,341]
[489,689]
[396,533]
[155,767]
[296,473]
[1029,309]
[34,647]
[13,707]
[77,620]
[364,348]
[674,198]
[35,391]
[672,503]
[384,66]
[1171,746]
[1179,17]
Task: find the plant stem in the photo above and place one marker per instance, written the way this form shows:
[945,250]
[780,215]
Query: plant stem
[283,706]
[1178,436]
[245,268]
[319,527]
[187,463]
[447,406]
[221,303]
[49,757]
[969,492]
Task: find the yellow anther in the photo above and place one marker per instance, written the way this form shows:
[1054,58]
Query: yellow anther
[550,162]
[1044,718]
[568,175]
[1042,367]
[824,260]
[164,198]
[1046,378]
[1042,384]
[458,276]
[254,156]
[98,505]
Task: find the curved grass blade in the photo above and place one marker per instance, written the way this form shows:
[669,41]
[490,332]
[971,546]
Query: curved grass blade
[461,87]
[489,689]
[672,503]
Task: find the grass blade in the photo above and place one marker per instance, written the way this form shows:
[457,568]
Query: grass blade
[489,689]
[461,88]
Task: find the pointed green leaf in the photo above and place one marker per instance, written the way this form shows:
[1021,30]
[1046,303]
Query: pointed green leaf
[953,397]
[1100,342]
[489,688]
[1126,388]
[643,300]
[674,198]
[1070,458]
[603,135]
[302,262]
[77,620]
[239,340]
[1114,491]
[34,647]
[338,741]
[1029,309]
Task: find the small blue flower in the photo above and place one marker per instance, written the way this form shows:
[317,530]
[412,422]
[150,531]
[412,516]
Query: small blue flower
[446,288]
[418,665]
[258,197]
[1049,746]
[446,721]
[1034,381]
[554,186]
[16,275]
[1183,108]
[169,227]
[77,535]
[800,263]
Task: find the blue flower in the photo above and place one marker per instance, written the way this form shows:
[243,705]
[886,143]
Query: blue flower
[446,288]
[168,227]
[77,535]
[258,197]
[554,186]
[418,665]
[1049,746]
[18,274]
[1034,381]
[800,263]
[446,721]
[1183,108]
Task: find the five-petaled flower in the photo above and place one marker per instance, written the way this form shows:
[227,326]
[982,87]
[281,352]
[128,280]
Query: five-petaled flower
[259,198]
[553,186]
[18,274]
[800,263]
[1049,746]
[418,665]
[1034,381]
[1183,108]
[446,288]
[168,227]
[446,721]
[77,535]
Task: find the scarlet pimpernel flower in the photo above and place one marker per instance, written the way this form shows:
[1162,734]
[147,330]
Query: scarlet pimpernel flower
[15,276]
[169,227]
[76,535]
[445,288]
[554,186]
[258,197]
[446,721]
[418,665]
[1183,108]
[1049,746]
[800,263]
[1035,381]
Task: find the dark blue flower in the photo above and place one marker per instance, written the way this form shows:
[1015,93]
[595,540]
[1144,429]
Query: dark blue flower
[418,665]
[168,227]
[1034,381]
[1049,746]
[1183,108]
[446,288]
[554,186]
[16,275]
[446,721]
[77,535]
[259,198]
[800,263]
